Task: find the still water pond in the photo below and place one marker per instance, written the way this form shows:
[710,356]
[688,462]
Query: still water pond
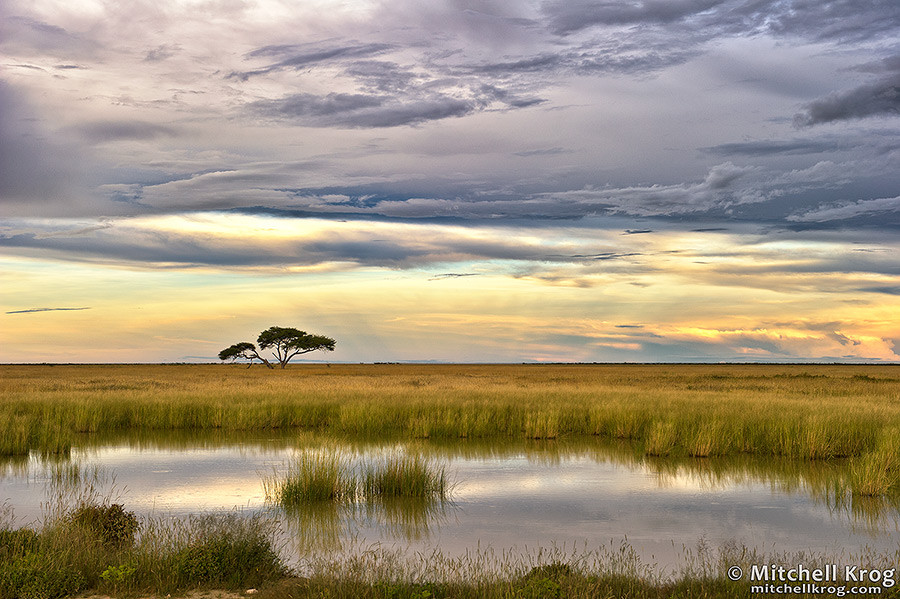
[507,497]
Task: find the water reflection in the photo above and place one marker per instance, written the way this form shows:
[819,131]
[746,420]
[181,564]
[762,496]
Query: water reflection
[508,493]
[820,480]
[328,526]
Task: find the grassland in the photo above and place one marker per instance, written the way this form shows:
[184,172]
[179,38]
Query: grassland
[797,414]
[803,412]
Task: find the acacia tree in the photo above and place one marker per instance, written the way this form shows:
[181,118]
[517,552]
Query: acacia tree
[285,341]
[245,350]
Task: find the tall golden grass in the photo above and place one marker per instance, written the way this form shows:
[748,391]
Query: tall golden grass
[807,412]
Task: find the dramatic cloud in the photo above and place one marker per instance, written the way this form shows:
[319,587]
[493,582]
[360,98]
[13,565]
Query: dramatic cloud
[103,131]
[831,19]
[877,99]
[772,148]
[38,173]
[230,242]
[361,111]
[571,16]
[718,189]
[300,57]
[852,210]
[619,180]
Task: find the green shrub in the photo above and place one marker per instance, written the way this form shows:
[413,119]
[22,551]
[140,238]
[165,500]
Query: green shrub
[111,525]
[33,576]
[119,575]
[540,588]
[555,571]
[233,561]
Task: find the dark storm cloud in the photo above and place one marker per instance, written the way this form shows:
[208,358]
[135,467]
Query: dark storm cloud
[27,66]
[636,61]
[381,75]
[359,111]
[161,53]
[887,289]
[644,36]
[568,16]
[884,211]
[449,61]
[641,55]
[21,32]
[444,197]
[527,65]
[103,131]
[159,249]
[877,99]
[125,243]
[842,20]
[793,147]
[300,56]
[308,105]
[890,64]
[543,152]
[410,107]
[40,26]
[37,171]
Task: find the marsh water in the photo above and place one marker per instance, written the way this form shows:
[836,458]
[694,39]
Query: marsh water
[505,497]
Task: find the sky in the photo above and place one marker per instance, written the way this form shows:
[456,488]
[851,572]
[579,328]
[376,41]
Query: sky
[452,180]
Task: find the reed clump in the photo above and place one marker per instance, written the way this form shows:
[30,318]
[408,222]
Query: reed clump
[312,477]
[877,473]
[334,476]
[404,475]
[662,439]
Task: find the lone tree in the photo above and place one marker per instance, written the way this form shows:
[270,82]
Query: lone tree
[245,350]
[286,343]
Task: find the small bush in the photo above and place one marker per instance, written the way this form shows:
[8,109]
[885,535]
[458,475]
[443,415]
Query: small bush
[111,525]
[31,577]
[555,571]
[228,552]
[119,575]
[233,564]
[540,588]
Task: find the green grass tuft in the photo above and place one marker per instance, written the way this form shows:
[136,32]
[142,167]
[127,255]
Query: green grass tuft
[331,476]
[404,475]
[313,477]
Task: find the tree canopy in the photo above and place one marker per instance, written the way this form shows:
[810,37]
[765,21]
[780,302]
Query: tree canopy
[286,343]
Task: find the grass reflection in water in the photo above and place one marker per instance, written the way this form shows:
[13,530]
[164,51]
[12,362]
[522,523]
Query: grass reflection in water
[324,489]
